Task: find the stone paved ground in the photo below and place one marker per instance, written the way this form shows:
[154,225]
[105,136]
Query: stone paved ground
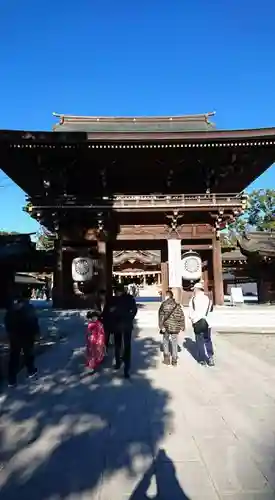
[247,318]
[170,434]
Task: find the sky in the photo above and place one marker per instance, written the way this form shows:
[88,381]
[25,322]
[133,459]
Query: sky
[149,57]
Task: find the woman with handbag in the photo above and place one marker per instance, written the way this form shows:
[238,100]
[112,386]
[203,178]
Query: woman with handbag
[199,308]
[171,323]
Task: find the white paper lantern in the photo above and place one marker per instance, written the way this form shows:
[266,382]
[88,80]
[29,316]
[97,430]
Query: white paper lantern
[191,266]
[82,269]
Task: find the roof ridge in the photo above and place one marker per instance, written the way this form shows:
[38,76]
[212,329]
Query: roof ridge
[164,118]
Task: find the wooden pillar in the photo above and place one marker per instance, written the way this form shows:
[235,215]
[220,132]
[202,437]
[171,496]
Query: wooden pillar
[164,269]
[164,278]
[265,292]
[105,254]
[58,291]
[174,268]
[102,257]
[205,276]
[217,272]
[109,270]
[159,278]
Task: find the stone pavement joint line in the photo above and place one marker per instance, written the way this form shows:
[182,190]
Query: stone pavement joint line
[185,433]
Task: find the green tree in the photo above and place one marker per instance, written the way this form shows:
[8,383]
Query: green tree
[45,240]
[261,210]
[259,215]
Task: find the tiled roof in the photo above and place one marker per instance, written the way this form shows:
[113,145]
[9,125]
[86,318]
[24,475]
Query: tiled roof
[233,255]
[262,243]
[143,257]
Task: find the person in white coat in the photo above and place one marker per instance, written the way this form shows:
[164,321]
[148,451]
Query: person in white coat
[200,307]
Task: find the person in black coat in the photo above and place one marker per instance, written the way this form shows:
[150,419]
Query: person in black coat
[22,327]
[107,317]
[119,315]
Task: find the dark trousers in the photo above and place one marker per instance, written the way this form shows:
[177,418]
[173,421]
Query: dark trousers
[108,332]
[124,334]
[205,345]
[16,347]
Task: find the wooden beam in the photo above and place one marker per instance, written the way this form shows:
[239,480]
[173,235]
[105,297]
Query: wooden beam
[153,234]
[162,232]
[196,247]
[143,244]
[161,236]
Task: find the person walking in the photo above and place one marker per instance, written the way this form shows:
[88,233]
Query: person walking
[123,311]
[22,327]
[200,306]
[171,323]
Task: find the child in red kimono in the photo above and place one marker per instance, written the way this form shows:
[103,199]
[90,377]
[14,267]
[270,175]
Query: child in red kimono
[95,340]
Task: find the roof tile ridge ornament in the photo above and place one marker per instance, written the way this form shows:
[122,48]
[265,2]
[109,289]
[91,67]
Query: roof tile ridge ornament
[245,235]
[208,115]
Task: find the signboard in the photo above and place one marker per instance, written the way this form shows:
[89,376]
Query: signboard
[236,295]
[174,263]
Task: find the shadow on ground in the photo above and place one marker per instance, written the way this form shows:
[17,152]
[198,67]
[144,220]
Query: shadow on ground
[68,433]
[191,347]
[166,486]
[55,327]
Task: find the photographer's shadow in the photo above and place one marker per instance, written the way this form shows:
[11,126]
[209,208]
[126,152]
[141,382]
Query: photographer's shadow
[159,481]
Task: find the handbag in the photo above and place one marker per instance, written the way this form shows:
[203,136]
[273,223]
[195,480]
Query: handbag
[201,326]
[167,317]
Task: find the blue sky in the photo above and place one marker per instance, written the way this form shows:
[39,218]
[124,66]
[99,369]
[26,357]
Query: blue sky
[133,58]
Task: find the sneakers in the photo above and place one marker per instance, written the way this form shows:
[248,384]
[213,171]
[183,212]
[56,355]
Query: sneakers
[30,376]
[33,374]
[174,362]
[211,362]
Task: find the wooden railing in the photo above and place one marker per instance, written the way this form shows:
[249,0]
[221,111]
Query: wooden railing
[159,201]
[164,201]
